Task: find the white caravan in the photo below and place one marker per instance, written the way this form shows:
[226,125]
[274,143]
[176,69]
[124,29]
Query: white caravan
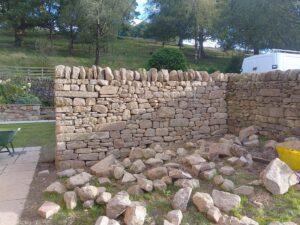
[278,60]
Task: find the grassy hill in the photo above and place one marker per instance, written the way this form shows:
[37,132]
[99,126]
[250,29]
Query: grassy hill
[125,52]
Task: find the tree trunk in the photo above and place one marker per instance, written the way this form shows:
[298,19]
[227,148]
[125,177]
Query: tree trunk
[196,48]
[201,53]
[256,51]
[51,36]
[180,42]
[97,56]
[19,34]
[71,46]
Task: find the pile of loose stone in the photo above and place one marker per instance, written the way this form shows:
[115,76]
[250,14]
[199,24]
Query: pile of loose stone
[152,169]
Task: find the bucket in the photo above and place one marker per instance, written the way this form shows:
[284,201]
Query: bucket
[289,152]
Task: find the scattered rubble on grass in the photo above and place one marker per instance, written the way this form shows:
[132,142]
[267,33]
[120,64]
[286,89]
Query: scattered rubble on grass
[153,169]
[278,177]
[56,187]
[48,209]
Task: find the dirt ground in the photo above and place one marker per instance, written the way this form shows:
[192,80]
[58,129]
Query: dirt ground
[35,197]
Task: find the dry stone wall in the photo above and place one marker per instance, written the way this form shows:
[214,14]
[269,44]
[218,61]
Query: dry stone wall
[270,101]
[14,112]
[100,112]
[19,112]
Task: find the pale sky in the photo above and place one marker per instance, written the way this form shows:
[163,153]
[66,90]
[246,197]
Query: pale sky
[141,9]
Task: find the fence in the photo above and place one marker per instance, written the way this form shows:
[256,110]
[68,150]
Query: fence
[10,71]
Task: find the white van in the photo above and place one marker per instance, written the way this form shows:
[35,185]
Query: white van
[280,60]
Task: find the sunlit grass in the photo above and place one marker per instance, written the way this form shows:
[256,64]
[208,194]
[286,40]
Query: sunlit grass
[35,134]
[121,52]
[283,208]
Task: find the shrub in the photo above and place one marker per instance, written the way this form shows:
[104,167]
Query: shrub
[235,64]
[209,69]
[16,93]
[28,99]
[168,58]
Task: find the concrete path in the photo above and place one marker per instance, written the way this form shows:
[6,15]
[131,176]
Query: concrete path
[16,174]
[27,121]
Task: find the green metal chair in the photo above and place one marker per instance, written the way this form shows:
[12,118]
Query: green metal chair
[6,139]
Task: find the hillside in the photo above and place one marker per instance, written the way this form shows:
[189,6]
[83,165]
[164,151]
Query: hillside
[124,52]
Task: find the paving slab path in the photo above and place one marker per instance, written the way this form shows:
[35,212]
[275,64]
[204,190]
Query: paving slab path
[16,174]
[26,121]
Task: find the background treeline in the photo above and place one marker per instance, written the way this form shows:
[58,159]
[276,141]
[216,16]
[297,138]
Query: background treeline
[244,25]
[93,21]
[235,24]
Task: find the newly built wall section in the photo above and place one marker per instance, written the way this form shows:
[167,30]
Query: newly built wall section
[101,112]
[271,101]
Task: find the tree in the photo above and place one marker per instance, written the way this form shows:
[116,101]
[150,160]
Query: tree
[103,19]
[169,19]
[203,14]
[185,19]
[69,20]
[137,31]
[19,15]
[161,29]
[48,16]
[260,24]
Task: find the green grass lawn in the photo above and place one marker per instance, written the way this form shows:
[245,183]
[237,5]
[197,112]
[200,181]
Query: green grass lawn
[122,52]
[35,134]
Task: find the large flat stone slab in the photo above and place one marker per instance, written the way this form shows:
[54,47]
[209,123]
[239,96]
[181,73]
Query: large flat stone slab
[20,167]
[16,174]
[10,211]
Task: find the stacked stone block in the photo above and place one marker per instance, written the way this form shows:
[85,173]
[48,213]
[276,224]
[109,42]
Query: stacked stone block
[101,112]
[270,101]
[12,112]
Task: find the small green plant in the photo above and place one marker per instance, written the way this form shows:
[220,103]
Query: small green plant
[28,99]
[167,192]
[168,58]
[14,92]
[238,212]
[235,64]
[263,139]
[209,69]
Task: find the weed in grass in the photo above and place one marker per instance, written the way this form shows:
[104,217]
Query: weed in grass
[63,180]
[284,208]
[158,209]
[263,139]
[170,190]
[193,217]
[78,216]
[242,177]
[89,216]
[238,212]
[53,197]
[94,182]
